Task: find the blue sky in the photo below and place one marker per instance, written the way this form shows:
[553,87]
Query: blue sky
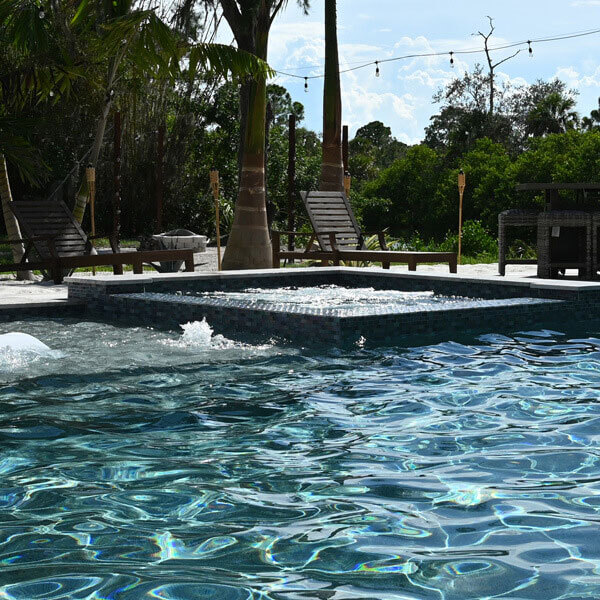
[401,97]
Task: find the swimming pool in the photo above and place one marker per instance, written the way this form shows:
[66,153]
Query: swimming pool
[145,464]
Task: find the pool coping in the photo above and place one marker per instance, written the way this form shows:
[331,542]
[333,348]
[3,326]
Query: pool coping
[533,283]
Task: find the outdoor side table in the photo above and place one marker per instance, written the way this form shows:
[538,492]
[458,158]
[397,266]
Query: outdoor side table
[573,251]
[513,218]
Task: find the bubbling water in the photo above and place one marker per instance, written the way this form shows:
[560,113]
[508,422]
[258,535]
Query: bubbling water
[199,334]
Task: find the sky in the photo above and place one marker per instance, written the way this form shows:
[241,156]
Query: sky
[402,96]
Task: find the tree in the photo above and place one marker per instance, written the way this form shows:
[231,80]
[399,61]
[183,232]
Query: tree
[372,149]
[491,64]
[143,43]
[465,117]
[592,123]
[411,184]
[249,244]
[332,168]
[109,45]
[553,114]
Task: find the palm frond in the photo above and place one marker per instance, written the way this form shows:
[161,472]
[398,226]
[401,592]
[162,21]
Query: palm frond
[19,152]
[222,60]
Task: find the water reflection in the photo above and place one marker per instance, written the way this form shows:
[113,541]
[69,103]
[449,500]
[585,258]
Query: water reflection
[139,467]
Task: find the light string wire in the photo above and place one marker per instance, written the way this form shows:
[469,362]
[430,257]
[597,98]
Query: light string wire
[451,54]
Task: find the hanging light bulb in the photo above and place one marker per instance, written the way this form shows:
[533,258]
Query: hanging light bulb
[452,59]
[306,84]
[376,68]
[530,49]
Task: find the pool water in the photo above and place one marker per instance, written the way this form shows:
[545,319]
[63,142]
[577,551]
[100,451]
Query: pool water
[335,296]
[141,464]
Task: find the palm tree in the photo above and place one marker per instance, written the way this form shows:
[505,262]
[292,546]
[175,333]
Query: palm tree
[332,169]
[53,48]
[554,114]
[12,225]
[249,244]
[592,122]
[139,40]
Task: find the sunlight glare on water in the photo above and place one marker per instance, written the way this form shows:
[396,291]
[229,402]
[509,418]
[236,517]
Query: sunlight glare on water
[142,464]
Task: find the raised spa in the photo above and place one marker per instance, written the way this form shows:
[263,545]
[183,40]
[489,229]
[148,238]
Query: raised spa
[323,306]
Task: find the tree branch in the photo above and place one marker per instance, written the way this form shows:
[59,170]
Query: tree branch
[507,58]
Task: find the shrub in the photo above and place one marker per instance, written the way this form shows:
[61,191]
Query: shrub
[476,240]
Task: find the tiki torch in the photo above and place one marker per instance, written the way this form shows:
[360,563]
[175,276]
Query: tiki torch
[461,191]
[347,182]
[214,184]
[90,175]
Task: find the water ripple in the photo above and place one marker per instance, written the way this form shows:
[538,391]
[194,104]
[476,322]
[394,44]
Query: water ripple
[134,466]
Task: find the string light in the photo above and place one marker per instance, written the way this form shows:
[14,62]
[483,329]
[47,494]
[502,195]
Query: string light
[432,54]
[376,68]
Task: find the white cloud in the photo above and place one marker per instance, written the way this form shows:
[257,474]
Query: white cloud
[576,80]
[585,3]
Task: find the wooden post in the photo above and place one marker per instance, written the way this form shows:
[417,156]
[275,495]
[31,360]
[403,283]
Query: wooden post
[158,189]
[116,203]
[345,148]
[461,191]
[214,184]
[291,179]
[90,175]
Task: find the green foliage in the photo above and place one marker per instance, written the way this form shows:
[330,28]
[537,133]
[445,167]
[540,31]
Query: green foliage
[372,149]
[373,214]
[411,184]
[476,240]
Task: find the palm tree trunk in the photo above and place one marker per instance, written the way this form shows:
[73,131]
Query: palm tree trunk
[249,243]
[332,167]
[12,225]
[81,198]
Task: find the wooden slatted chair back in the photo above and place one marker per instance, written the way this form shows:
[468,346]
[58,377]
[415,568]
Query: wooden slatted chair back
[331,212]
[50,218]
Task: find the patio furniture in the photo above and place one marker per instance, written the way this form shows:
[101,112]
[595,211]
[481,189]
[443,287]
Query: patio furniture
[595,244]
[513,218]
[553,200]
[564,242]
[50,229]
[340,238]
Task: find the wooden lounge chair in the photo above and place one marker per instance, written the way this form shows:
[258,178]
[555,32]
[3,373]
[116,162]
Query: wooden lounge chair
[340,238]
[52,232]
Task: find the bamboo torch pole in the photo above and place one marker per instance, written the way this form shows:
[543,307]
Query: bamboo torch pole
[461,191]
[347,183]
[214,184]
[90,175]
